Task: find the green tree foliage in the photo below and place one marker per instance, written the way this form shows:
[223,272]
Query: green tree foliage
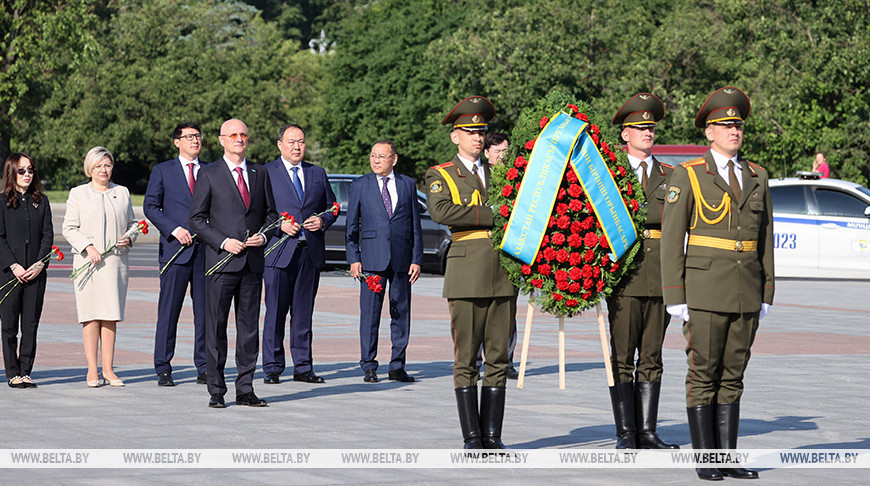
[162,63]
[40,41]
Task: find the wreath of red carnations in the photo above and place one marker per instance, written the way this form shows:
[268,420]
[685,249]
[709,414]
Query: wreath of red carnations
[573,269]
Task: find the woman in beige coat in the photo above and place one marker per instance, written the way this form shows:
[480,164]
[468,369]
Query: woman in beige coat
[98,214]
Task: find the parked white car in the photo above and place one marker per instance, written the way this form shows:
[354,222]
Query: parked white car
[821,228]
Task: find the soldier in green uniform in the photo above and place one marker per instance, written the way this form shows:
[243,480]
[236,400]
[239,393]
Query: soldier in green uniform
[721,284]
[638,319]
[476,287]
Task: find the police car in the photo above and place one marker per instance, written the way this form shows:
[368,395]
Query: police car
[821,227]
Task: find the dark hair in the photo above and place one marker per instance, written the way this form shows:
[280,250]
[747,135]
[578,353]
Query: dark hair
[494,138]
[386,142]
[9,174]
[181,126]
[287,127]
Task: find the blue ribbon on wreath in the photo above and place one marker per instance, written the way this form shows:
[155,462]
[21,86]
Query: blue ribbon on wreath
[564,141]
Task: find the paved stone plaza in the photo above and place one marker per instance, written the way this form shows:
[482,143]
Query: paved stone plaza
[807,388]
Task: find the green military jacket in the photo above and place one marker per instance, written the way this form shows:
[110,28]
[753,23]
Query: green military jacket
[473,267]
[717,279]
[646,279]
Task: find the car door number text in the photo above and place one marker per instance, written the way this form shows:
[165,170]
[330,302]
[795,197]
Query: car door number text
[785,240]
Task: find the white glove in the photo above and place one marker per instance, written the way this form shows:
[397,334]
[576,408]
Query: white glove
[680,311]
[765,308]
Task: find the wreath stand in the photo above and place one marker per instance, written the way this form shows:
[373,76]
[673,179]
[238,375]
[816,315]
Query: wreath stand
[527,331]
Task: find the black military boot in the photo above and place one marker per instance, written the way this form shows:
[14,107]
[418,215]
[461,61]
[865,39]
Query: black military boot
[703,437]
[469,421]
[492,416]
[646,401]
[727,423]
[622,400]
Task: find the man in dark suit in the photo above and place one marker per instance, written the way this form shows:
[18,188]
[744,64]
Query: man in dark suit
[384,238]
[293,267]
[638,319]
[167,206]
[232,200]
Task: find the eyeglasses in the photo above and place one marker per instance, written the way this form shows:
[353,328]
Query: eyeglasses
[381,157]
[191,137]
[28,170]
[301,141]
[236,136]
[107,167]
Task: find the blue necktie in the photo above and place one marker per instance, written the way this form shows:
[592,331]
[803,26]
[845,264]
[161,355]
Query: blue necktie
[297,183]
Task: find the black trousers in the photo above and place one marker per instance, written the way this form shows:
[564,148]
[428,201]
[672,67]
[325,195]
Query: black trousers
[242,289]
[21,311]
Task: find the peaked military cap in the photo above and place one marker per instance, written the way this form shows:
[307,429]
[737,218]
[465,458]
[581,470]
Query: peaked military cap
[471,114]
[726,106]
[642,110]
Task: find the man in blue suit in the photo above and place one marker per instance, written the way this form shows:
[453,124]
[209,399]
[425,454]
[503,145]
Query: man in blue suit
[167,205]
[231,202]
[384,238]
[293,267]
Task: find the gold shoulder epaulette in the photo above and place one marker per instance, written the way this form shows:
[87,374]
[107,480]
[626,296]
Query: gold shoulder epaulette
[442,166]
[694,162]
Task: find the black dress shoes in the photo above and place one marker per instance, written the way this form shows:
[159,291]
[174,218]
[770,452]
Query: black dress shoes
[165,379]
[401,375]
[308,377]
[202,379]
[272,378]
[217,401]
[250,400]
[513,374]
[371,376]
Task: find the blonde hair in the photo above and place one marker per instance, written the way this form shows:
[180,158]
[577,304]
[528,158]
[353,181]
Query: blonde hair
[95,155]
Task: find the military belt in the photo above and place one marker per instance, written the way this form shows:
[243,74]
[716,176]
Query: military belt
[470,235]
[649,234]
[722,243]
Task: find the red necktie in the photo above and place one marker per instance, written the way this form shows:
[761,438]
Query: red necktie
[243,188]
[190,176]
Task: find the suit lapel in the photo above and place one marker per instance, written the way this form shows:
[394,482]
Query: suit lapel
[253,174]
[231,182]
[466,177]
[750,181]
[656,178]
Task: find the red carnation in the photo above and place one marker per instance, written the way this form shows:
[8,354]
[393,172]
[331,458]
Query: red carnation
[530,144]
[589,206]
[574,287]
[563,222]
[575,258]
[561,208]
[599,286]
[587,283]
[586,272]
[544,122]
[557,297]
[571,303]
[562,285]
[545,240]
[512,174]
[596,272]
[526,270]
[634,205]
[575,241]
[605,260]
[571,176]
[574,108]
[575,190]
[575,205]
[505,210]
[544,269]
[587,223]
[589,256]
[621,170]
[586,296]
[562,256]
[628,188]
[552,222]
[583,117]
[575,273]
[590,239]
[520,162]
[595,138]
[561,275]
[576,227]
[594,128]
[561,194]
[604,146]
[549,254]
[536,282]
[612,156]
[507,190]
[540,257]
[558,239]
[603,242]
[615,267]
